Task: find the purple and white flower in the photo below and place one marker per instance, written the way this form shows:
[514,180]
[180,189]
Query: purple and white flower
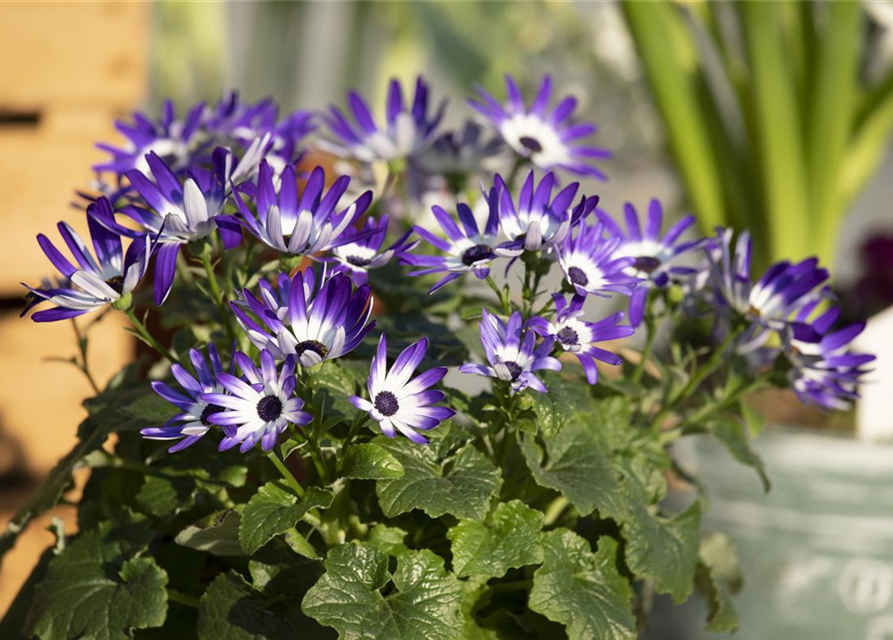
[319,324]
[575,335]
[548,137]
[512,353]
[654,255]
[782,292]
[357,258]
[462,152]
[398,403]
[258,406]
[96,281]
[824,371]
[192,422]
[274,297]
[467,249]
[539,221]
[167,137]
[305,225]
[407,130]
[590,265]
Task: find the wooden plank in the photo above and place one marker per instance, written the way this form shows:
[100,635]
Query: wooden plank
[54,53]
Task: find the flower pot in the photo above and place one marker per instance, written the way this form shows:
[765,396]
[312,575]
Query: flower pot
[816,551]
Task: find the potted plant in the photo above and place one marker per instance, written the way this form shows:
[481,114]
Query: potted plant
[294,462]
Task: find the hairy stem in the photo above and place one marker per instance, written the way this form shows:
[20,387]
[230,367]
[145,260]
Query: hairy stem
[144,333]
[217,294]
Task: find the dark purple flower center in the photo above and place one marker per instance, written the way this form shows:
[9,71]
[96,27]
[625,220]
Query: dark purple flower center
[568,337]
[386,403]
[646,264]
[116,283]
[577,276]
[207,412]
[531,143]
[269,408]
[477,253]
[357,261]
[312,345]
[514,369]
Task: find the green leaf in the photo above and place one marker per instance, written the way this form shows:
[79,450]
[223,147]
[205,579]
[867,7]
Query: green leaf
[489,550]
[573,463]
[336,384]
[564,400]
[217,533]
[99,588]
[718,577]
[166,496]
[658,548]
[370,462]
[583,590]
[731,434]
[388,539]
[231,609]
[471,630]
[275,509]
[460,485]
[423,603]
[113,409]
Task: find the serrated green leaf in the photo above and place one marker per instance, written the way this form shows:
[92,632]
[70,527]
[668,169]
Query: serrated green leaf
[665,550]
[609,420]
[99,588]
[217,534]
[166,496]
[388,539]
[489,550]
[423,605]
[564,400]
[717,578]
[336,384]
[731,434]
[582,590]
[460,485]
[574,464]
[231,609]
[275,509]
[370,462]
[472,590]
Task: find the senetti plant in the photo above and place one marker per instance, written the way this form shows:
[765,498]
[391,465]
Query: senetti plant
[397,395]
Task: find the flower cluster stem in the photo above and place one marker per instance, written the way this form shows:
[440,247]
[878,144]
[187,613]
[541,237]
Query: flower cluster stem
[217,294]
[285,473]
[144,333]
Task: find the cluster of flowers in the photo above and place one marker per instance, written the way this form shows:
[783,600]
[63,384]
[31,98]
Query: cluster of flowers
[231,169]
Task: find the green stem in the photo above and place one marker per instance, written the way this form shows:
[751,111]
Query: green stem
[148,337]
[285,473]
[555,509]
[503,301]
[651,327]
[515,585]
[82,363]
[182,598]
[216,294]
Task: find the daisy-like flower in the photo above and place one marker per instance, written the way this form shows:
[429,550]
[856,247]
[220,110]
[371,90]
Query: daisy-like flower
[258,407]
[274,297]
[783,290]
[539,221]
[825,372]
[320,325]
[466,248]
[512,353]
[575,335]
[184,211]
[167,137]
[654,255]
[589,264]
[407,131]
[401,404]
[548,137]
[192,422]
[305,225]
[96,281]
[357,258]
